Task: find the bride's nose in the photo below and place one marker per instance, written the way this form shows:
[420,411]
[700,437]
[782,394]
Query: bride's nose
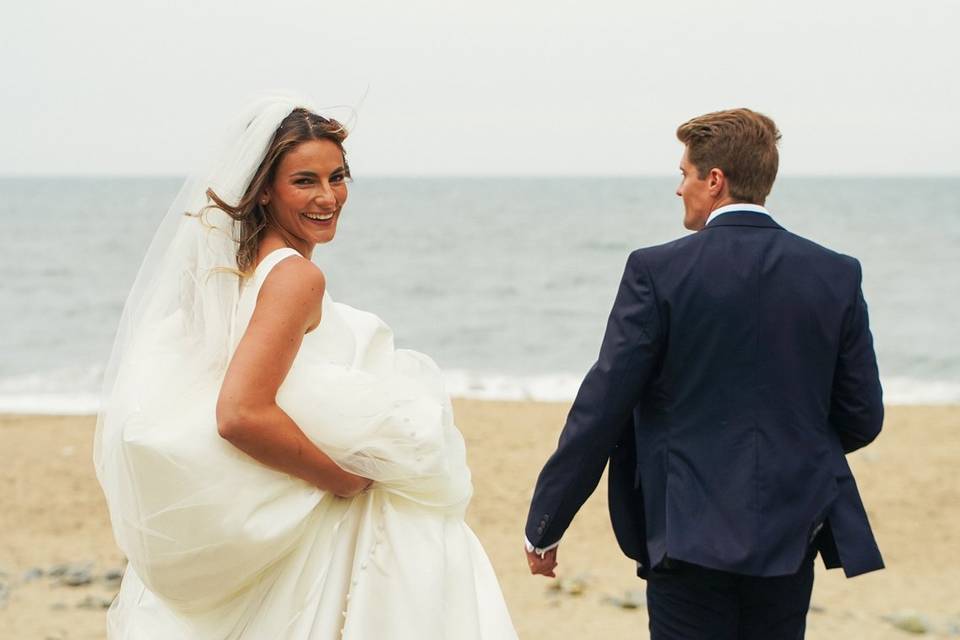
[325,197]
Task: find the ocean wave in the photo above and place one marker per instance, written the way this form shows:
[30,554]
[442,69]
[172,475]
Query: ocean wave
[909,391]
[76,390]
[66,391]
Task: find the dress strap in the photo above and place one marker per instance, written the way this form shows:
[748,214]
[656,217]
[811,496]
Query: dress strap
[250,290]
[269,262]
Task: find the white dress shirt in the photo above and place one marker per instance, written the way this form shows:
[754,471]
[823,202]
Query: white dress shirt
[752,208]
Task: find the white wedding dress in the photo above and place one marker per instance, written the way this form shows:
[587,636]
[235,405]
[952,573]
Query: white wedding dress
[222,547]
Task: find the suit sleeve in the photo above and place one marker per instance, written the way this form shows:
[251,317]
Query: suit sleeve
[856,402]
[609,392]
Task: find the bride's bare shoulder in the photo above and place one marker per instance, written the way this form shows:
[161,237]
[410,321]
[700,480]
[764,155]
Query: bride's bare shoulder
[293,281]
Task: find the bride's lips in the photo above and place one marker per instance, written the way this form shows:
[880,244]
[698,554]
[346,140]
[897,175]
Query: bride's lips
[320,217]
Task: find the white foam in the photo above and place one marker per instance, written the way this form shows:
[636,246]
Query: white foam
[51,404]
[563,388]
[75,390]
[909,391]
[543,388]
[67,391]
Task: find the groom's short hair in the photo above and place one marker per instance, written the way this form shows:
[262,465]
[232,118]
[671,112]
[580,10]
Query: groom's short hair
[741,143]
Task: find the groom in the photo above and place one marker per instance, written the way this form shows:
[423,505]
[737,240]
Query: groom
[736,372]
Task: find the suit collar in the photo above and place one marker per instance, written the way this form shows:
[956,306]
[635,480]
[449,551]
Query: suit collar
[743,219]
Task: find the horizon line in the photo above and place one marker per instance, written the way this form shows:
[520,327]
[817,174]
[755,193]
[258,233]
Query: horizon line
[488,176]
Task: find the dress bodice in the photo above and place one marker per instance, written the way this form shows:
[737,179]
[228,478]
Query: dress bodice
[331,340]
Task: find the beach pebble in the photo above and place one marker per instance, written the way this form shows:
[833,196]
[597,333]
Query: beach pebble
[816,608]
[77,577]
[113,576]
[570,586]
[95,602]
[32,574]
[632,599]
[574,586]
[58,570]
[58,606]
[909,621]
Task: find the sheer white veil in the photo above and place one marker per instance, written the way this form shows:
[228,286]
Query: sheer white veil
[188,284]
[205,527]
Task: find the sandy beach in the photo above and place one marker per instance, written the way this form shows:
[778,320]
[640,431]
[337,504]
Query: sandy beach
[54,518]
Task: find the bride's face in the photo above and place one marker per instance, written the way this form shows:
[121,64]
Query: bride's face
[308,191]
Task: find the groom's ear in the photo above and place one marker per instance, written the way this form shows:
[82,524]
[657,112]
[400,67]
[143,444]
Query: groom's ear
[716,182]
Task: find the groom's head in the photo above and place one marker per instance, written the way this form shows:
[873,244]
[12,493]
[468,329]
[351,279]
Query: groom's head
[729,156]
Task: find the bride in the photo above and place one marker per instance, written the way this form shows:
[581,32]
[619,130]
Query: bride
[273,466]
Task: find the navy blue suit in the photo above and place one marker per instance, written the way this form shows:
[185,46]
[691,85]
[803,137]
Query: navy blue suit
[736,371]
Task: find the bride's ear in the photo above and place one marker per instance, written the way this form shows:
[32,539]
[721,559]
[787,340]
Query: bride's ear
[264,198]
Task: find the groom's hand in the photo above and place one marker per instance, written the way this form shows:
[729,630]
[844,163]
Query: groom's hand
[543,566]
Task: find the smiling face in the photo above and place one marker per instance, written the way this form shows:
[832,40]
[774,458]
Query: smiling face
[307,193]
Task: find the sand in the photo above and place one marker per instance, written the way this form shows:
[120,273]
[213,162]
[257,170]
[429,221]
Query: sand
[52,512]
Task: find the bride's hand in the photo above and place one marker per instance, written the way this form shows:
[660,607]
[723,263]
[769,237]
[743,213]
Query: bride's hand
[351,485]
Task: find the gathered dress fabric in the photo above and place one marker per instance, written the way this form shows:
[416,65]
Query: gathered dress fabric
[221,547]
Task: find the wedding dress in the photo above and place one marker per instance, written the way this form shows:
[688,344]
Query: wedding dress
[221,547]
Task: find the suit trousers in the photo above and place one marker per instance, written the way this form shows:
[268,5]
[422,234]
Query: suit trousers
[690,602]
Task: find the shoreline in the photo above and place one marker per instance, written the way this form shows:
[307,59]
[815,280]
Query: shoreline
[29,395]
[54,514]
[457,399]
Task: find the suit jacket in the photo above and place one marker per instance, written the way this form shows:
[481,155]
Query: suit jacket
[736,371]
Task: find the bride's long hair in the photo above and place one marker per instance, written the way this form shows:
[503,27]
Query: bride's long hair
[300,126]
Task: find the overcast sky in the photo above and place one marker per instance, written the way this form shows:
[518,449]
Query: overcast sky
[528,87]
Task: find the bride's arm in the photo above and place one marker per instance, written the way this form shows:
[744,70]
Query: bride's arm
[288,305]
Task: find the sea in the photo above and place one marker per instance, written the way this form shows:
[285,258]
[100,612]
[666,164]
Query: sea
[505,282]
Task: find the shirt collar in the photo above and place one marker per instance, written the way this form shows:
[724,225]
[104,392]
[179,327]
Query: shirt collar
[752,208]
